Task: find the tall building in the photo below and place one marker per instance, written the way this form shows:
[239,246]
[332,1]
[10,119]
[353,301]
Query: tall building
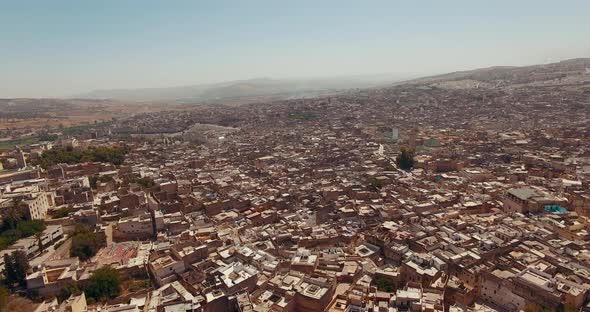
[20,158]
[36,206]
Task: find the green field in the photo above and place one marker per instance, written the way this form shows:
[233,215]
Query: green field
[75,130]
[8,145]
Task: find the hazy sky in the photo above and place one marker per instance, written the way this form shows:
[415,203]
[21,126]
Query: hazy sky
[57,48]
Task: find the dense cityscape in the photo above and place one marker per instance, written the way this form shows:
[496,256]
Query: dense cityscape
[443,194]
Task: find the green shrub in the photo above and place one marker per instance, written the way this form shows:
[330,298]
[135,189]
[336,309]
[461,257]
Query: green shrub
[63,212]
[104,284]
[85,244]
[107,154]
[384,284]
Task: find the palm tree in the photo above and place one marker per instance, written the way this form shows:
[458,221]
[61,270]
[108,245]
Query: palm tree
[13,215]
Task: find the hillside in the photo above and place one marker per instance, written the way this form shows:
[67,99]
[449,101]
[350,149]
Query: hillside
[574,71]
[242,89]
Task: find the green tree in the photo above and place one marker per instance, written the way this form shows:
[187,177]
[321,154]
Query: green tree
[63,212]
[13,232]
[68,290]
[145,182]
[405,160]
[85,243]
[104,284]
[384,284]
[93,180]
[16,266]
[12,216]
[45,136]
[69,155]
[30,228]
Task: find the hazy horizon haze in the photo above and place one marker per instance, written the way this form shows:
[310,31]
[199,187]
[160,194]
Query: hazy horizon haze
[61,48]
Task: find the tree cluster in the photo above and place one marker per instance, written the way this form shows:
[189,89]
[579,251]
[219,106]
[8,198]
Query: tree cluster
[63,212]
[145,182]
[14,227]
[405,160]
[384,284]
[107,154]
[16,266]
[66,291]
[45,136]
[104,284]
[85,243]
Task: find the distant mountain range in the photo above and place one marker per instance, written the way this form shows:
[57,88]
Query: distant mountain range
[253,90]
[569,72]
[262,87]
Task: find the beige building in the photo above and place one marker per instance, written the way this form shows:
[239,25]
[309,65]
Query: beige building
[237,277]
[53,275]
[136,227]
[36,206]
[497,288]
[165,267]
[527,199]
[74,304]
